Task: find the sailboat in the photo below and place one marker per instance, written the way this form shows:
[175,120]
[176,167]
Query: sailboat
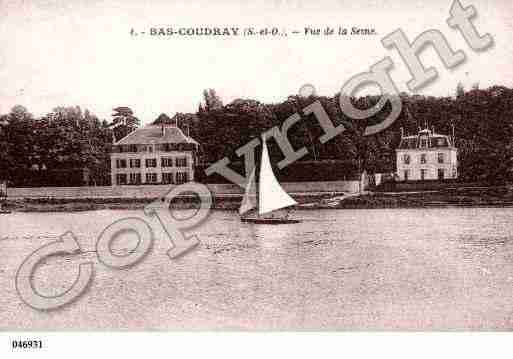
[265,202]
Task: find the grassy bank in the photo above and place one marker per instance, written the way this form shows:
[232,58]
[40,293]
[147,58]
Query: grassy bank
[455,197]
[231,202]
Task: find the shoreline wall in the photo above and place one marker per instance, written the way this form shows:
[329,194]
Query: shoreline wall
[154,191]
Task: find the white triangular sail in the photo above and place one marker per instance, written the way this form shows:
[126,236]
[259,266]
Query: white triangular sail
[249,199]
[271,195]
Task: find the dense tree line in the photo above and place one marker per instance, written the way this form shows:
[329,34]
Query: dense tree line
[70,138]
[482,120]
[53,148]
[67,146]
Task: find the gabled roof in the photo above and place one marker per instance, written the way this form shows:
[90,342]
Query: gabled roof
[153,134]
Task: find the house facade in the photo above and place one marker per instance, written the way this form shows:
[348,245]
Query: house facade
[426,156]
[153,154]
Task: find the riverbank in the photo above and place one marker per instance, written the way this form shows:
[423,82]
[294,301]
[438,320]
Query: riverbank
[454,197]
[221,202]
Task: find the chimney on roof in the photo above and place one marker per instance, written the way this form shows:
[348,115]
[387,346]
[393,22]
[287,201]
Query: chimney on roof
[162,129]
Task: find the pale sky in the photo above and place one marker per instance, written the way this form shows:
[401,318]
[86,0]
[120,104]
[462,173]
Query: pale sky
[80,52]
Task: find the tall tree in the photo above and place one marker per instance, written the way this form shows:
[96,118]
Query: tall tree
[6,162]
[123,122]
[212,100]
[19,132]
[460,91]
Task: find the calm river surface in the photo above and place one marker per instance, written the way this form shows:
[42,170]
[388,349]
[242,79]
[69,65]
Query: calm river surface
[436,268]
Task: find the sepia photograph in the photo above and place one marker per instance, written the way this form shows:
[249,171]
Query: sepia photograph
[255,166]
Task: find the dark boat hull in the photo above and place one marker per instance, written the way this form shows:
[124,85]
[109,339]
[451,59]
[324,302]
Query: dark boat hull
[270,220]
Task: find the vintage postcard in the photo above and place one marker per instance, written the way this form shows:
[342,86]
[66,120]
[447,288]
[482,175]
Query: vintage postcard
[281,165]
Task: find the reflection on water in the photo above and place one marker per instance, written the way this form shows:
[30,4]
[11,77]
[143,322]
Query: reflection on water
[448,268]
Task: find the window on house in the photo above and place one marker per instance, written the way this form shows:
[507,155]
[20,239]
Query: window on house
[151,162]
[423,142]
[135,163]
[121,178]
[441,173]
[181,177]
[406,175]
[132,148]
[423,158]
[121,163]
[167,178]
[151,177]
[135,178]
[440,158]
[423,174]
[406,159]
[167,162]
[181,162]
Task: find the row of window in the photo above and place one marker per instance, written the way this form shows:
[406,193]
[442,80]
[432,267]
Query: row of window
[423,158]
[135,148]
[424,173]
[136,178]
[167,147]
[152,162]
[424,142]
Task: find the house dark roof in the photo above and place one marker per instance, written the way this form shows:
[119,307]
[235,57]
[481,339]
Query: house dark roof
[435,140]
[152,134]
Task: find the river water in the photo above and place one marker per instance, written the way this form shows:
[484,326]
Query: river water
[394,269]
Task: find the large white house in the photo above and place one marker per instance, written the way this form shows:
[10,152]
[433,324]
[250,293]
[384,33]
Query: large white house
[426,156]
[154,154]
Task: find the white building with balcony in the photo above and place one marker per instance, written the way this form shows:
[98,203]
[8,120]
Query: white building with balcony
[426,156]
[154,154]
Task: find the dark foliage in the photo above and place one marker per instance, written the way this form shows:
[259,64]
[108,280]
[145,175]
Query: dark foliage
[54,148]
[483,122]
[69,139]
